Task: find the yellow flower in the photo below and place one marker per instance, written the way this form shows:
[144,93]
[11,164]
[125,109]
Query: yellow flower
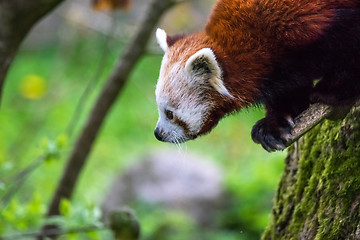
[32,86]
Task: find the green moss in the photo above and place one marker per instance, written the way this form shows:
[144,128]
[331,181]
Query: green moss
[319,199]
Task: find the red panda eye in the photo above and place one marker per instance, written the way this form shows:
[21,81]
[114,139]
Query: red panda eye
[169,114]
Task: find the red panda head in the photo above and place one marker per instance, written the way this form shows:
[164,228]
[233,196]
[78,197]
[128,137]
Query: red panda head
[190,91]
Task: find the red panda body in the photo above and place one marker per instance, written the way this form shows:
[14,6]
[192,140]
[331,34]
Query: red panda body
[271,52]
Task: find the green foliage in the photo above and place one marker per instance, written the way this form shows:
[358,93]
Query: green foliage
[20,217]
[74,216]
[51,149]
[78,216]
[171,225]
[33,127]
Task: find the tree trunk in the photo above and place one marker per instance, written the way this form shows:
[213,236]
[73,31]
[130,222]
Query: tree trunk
[319,193]
[16,19]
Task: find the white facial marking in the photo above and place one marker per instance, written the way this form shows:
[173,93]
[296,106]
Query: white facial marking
[161,39]
[183,88]
[174,88]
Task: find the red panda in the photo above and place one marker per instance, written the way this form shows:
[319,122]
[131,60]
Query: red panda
[266,52]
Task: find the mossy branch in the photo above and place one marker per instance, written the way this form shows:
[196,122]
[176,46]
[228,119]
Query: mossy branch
[312,116]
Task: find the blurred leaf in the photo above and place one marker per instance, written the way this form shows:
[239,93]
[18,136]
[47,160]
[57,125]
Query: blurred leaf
[36,206]
[65,207]
[52,148]
[102,5]
[93,235]
[72,236]
[61,141]
[33,87]
[56,220]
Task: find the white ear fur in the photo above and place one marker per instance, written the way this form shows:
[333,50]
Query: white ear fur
[161,39]
[203,62]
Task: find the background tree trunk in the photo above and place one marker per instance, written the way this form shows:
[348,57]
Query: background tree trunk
[103,104]
[113,87]
[17,17]
[319,193]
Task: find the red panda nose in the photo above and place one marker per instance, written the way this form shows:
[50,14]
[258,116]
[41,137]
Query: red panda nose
[158,134]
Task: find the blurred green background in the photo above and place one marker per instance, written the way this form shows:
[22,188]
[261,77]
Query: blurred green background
[43,88]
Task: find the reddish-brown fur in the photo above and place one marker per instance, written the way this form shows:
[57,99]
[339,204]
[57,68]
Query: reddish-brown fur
[246,52]
[235,23]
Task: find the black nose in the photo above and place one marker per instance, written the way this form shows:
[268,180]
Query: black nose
[159,136]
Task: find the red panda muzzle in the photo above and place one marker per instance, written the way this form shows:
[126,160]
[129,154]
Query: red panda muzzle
[158,134]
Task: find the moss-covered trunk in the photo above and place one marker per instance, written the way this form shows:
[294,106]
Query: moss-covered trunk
[319,193]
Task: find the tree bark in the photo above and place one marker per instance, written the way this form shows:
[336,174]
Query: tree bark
[319,194]
[16,19]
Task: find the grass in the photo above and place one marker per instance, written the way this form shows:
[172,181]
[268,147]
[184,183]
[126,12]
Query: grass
[28,125]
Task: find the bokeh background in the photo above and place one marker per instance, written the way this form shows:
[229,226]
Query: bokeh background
[220,186]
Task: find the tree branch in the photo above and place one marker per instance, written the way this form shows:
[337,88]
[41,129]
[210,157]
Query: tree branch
[122,222]
[111,90]
[312,116]
[53,232]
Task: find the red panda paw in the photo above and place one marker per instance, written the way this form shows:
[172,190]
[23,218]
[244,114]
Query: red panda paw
[273,132]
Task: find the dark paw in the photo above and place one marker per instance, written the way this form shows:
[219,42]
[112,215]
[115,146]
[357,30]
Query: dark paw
[272,132]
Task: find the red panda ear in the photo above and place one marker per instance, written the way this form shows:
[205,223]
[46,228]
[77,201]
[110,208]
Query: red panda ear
[161,38]
[203,69]
[166,41]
